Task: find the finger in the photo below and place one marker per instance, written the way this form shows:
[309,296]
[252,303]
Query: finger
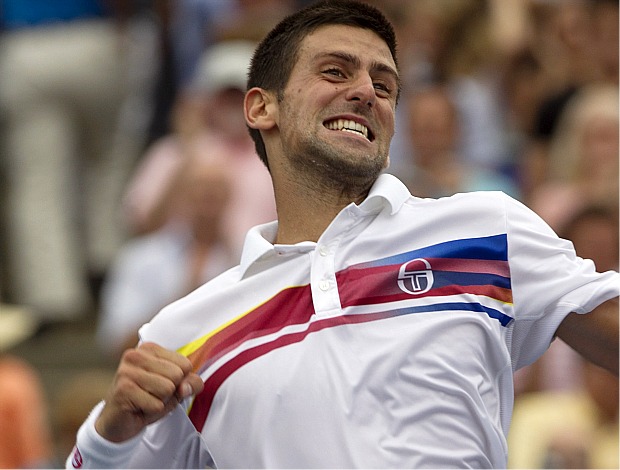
[161,362]
[191,385]
[161,372]
[133,398]
[149,375]
[161,387]
[170,356]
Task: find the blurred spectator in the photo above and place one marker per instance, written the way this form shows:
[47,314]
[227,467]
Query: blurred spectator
[574,45]
[435,168]
[522,92]
[577,41]
[594,232]
[208,120]
[605,18]
[511,66]
[453,42]
[583,157]
[574,429]
[155,269]
[25,437]
[193,26]
[424,30]
[469,65]
[75,398]
[185,29]
[65,156]
[253,19]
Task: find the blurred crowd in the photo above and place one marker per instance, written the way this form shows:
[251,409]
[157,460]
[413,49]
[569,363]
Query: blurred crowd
[128,178]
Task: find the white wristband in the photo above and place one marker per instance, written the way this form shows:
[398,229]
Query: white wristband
[94,451]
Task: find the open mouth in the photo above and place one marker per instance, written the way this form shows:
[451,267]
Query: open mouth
[348,125]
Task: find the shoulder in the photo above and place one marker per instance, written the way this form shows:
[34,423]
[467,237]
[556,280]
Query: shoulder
[463,207]
[194,315]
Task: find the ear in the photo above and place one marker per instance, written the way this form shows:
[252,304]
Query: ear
[260,109]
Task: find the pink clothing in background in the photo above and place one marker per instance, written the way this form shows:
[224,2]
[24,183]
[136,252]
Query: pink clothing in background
[252,200]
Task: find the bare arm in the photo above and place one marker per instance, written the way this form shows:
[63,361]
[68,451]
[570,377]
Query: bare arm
[149,383]
[594,335]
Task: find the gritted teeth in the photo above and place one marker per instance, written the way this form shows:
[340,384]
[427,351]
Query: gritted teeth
[349,126]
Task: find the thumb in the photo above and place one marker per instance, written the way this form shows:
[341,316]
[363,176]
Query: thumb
[191,385]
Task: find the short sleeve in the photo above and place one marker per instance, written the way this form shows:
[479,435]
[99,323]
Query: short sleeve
[549,281]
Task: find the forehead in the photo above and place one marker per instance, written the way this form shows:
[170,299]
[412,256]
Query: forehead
[360,42]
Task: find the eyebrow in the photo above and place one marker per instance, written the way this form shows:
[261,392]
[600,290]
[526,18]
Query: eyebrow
[356,62]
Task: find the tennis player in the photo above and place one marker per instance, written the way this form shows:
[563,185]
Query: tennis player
[366,327]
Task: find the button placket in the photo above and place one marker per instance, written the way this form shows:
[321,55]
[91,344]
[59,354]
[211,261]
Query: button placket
[324,288]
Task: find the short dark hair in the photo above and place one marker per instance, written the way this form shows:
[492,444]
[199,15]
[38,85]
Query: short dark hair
[277,53]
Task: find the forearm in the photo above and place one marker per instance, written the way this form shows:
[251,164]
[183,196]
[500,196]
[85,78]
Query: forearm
[594,335]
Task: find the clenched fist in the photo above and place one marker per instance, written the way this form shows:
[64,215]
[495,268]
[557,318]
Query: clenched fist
[149,383]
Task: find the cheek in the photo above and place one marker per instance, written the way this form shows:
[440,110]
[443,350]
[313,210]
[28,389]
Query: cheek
[388,114]
[389,126]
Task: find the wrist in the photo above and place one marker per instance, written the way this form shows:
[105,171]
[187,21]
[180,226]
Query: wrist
[114,429]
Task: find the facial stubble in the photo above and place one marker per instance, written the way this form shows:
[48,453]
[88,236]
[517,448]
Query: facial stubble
[331,168]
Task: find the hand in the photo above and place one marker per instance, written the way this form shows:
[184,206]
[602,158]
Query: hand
[149,383]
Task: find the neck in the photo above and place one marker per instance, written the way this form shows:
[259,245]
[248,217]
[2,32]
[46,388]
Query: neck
[307,207]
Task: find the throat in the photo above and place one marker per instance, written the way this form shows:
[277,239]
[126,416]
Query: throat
[306,211]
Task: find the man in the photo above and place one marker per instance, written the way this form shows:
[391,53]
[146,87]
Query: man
[366,327]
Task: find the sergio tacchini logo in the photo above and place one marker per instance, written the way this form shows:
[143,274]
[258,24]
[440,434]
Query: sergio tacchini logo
[415,277]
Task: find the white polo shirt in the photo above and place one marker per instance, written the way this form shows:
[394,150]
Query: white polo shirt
[389,343]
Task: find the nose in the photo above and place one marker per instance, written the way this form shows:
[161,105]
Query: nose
[362,90]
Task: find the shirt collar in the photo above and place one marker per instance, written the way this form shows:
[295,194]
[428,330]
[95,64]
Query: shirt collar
[386,191]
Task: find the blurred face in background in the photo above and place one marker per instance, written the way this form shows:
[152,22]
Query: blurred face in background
[433,125]
[596,237]
[599,145]
[219,112]
[224,113]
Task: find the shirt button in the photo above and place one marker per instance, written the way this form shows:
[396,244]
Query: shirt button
[323,250]
[324,285]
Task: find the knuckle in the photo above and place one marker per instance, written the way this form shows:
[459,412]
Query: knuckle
[186,365]
[195,379]
[156,406]
[176,375]
[122,384]
[131,356]
[148,346]
[169,388]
